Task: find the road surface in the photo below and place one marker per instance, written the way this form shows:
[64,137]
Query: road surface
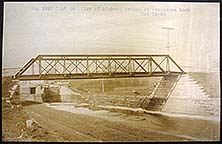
[122,127]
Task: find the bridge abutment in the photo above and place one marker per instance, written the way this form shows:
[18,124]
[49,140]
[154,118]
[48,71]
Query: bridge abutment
[39,91]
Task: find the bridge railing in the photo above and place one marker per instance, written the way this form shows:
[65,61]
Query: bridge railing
[92,66]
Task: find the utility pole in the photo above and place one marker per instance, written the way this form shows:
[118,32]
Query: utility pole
[168,46]
[168,36]
[102,86]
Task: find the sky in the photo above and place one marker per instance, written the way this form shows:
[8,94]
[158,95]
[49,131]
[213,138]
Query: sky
[31,29]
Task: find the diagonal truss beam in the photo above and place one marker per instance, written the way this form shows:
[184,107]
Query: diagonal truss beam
[158,65]
[140,65]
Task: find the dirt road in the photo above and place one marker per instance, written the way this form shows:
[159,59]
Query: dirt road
[82,127]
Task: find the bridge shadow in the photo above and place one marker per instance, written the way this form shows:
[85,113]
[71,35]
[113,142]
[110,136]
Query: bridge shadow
[28,103]
[51,95]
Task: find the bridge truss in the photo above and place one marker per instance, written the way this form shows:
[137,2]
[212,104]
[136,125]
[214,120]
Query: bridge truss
[54,67]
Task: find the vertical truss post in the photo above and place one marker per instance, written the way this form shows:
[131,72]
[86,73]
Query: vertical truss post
[147,64]
[167,64]
[64,66]
[109,65]
[150,65]
[115,65]
[133,66]
[76,66]
[130,65]
[87,65]
[40,68]
[55,66]
[96,67]
[33,69]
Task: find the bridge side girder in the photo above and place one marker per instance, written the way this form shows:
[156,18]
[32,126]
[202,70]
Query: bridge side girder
[93,64]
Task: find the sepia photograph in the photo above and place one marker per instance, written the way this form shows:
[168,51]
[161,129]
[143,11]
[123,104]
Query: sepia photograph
[111,72]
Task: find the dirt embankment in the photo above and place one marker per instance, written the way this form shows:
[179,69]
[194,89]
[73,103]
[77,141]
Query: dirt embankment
[210,82]
[14,119]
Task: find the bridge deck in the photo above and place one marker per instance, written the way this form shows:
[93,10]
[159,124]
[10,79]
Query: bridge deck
[93,76]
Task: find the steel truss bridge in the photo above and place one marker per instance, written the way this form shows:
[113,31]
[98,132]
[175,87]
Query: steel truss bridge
[55,67]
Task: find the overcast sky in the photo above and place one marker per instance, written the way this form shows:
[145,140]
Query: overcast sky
[112,28]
